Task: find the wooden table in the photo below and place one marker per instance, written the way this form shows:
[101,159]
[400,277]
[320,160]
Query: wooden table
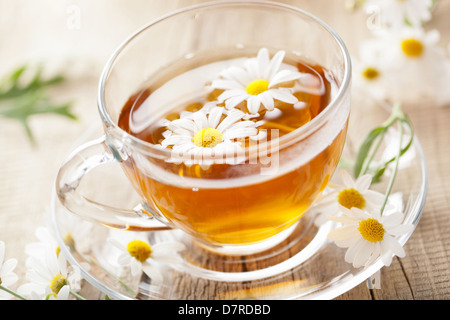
[78,38]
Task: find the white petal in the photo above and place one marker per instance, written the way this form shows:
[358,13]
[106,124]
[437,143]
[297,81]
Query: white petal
[400,229]
[124,259]
[2,252]
[263,63]
[283,94]
[253,104]
[8,266]
[234,116]
[375,254]
[350,254]
[176,140]
[347,179]
[63,293]
[238,75]
[284,76]
[275,64]
[228,94]
[226,84]
[200,121]
[240,133]
[234,101]
[393,245]
[363,254]
[392,220]
[153,273]
[342,233]
[214,117]
[363,183]
[186,124]
[252,67]
[267,101]
[374,197]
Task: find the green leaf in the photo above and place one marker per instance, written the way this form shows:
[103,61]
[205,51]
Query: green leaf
[365,148]
[21,99]
[372,142]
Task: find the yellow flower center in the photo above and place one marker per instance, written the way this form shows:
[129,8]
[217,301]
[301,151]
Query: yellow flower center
[207,138]
[412,48]
[57,283]
[351,198]
[371,230]
[370,73]
[257,86]
[140,250]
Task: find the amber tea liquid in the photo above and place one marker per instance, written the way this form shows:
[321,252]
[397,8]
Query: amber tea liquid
[233,204]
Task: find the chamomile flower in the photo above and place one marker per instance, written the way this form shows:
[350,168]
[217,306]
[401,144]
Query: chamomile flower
[259,82]
[411,61]
[370,76]
[47,277]
[7,275]
[398,13]
[350,194]
[136,253]
[417,62]
[369,236]
[208,135]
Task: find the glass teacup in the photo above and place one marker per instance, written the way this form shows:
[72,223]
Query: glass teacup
[272,184]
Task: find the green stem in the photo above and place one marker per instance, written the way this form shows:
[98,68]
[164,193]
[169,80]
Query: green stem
[76,295]
[12,293]
[394,173]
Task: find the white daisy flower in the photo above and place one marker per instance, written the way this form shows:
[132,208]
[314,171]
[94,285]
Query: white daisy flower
[397,13]
[7,275]
[210,135]
[417,63]
[259,82]
[369,236]
[137,254]
[48,276]
[409,61]
[351,194]
[369,72]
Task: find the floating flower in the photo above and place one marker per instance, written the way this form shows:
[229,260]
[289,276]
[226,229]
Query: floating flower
[140,256]
[208,135]
[50,278]
[259,82]
[398,13]
[7,275]
[369,236]
[351,194]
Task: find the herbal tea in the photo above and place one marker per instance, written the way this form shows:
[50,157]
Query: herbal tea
[208,111]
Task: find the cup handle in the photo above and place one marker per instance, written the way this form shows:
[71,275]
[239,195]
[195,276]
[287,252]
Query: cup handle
[78,164]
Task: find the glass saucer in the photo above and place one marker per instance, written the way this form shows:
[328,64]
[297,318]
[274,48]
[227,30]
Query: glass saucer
[305,265]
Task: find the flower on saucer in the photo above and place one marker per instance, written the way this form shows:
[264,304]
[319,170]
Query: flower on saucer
[369,236]
[7,275]
[398,13]
[259,82]
[50,278]
[140,256]
[209,135]
[351,194]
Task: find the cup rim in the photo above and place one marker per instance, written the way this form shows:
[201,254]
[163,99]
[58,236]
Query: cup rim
[296,135]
